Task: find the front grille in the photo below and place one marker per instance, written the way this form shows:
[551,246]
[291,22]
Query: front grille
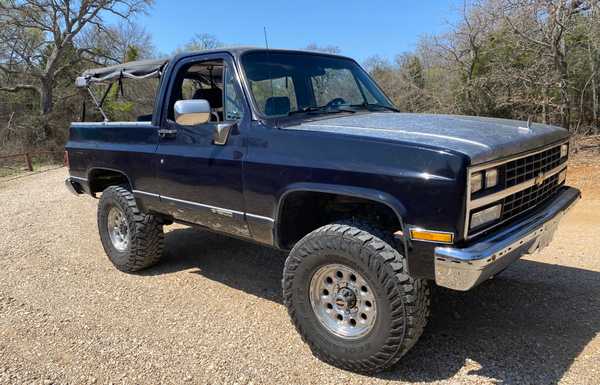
[529,198]
[518,171]
[521,170]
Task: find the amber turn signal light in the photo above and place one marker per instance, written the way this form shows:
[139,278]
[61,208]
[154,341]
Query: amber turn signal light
[431,236]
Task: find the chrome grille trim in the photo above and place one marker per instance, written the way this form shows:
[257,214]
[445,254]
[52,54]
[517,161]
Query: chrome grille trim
[501,195]
[527,199]
[524,169]
[486,200]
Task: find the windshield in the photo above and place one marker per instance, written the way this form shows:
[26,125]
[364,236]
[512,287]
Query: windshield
[284,84]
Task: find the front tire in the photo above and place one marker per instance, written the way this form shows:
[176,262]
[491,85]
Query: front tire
[131,239]
[349,297]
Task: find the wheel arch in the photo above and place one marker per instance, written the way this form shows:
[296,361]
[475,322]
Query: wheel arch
[100,178]
[368,195]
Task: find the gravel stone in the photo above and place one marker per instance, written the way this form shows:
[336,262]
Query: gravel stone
[211,311]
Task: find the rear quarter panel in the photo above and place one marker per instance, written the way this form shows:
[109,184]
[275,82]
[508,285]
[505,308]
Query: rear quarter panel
[126,147]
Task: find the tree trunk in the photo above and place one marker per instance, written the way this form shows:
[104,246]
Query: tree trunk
[46,101]
[559,18]
[47,79]
[594,86]
[596,120]
[562,68]
[46,96]
[545,104]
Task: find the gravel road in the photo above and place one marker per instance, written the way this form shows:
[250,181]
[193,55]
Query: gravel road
[212,312]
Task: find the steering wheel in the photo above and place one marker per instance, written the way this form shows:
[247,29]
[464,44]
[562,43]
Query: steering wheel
[335,102]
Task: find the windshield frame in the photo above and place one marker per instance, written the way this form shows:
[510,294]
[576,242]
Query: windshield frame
[257,112]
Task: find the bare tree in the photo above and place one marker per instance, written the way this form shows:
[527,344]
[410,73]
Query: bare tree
[40,36]
[463,48]
[113,43]
[334,49]
[593,56]
[203,41]
[544,24]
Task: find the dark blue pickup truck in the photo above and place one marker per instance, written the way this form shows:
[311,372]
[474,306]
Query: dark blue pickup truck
[303,152]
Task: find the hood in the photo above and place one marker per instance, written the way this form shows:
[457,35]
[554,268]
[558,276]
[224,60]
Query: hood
[481,139]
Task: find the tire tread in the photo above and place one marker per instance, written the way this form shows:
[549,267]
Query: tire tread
[147,236]
[410,298]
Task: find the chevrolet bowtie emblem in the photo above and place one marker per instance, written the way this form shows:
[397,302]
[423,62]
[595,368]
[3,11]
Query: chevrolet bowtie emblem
[539,179]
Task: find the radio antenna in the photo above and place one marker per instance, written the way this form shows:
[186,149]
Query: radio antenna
[267,46]
[266,41]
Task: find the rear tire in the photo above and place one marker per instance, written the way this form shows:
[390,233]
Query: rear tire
[131,239]
[370,270]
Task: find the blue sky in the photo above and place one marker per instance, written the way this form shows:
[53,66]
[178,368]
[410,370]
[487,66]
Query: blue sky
[359,28]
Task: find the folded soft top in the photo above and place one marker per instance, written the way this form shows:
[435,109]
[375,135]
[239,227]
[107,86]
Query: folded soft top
[132,70]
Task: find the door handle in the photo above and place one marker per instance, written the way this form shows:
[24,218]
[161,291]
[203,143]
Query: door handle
[167,133]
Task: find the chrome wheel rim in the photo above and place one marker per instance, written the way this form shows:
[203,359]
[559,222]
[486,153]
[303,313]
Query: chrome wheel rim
[343,301]
[118,229]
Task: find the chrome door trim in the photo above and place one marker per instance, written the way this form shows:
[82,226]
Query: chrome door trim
[260,217]
[214,209]
[145,193]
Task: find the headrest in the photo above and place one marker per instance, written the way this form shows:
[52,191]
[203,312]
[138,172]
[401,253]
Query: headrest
[277,105]
[214,96]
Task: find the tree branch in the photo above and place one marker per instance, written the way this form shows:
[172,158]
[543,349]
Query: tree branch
[7,70]
[20,87]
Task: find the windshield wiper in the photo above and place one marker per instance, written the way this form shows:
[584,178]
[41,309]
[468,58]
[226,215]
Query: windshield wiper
[321,109]
[375,107]
[307,109]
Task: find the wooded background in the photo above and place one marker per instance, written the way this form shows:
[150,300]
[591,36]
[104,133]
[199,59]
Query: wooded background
[521,59]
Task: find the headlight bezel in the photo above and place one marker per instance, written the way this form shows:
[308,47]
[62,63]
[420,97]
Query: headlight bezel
[484,180]
[476,182]
[564,150]
[562,176]
[484,197]
[491,175]
[489,214]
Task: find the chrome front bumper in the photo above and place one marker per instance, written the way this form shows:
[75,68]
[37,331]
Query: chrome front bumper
[73,186]
[463,269]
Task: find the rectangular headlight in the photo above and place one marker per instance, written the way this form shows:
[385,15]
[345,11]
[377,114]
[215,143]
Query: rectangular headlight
[562,176]
[476,182]
[484,216]
[491,177]
[564,150]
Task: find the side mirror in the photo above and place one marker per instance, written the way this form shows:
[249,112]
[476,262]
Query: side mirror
[192,112]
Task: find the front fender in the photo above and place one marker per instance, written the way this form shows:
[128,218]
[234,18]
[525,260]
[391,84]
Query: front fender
[351,191]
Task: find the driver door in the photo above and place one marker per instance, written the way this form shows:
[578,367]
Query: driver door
[200,181]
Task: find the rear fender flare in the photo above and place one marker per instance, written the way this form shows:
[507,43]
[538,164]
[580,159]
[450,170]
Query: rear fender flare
[90,171]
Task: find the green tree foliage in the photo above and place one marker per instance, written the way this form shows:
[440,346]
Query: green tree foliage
[521,59]
[120,109]
[41,45]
